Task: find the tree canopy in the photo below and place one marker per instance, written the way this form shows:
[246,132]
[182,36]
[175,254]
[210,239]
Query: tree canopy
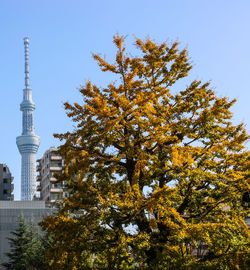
[156,175]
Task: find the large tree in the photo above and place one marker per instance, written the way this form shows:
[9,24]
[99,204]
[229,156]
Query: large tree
[156,174]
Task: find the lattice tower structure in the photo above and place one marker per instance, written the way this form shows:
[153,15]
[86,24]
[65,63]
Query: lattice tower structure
[28,142]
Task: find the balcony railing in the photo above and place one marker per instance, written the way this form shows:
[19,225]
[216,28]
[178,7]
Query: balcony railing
[7,186]
[55,169]
[6,175]
[56,190]
[55,158]
[52,179]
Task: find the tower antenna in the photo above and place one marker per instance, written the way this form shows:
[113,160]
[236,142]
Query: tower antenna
[26,67]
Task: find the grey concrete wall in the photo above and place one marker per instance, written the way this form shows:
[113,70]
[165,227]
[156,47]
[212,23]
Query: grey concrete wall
[10,212]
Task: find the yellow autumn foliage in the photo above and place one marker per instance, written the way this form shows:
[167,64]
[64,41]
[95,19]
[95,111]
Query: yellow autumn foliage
[156,177]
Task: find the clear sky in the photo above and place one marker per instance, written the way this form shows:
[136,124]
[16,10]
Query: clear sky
[63,33]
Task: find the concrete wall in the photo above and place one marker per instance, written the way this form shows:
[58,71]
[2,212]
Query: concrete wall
[9,214]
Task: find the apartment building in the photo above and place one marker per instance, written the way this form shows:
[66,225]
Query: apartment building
[6,186]
[47,167]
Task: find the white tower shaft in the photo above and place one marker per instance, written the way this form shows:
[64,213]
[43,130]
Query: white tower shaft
[28,142]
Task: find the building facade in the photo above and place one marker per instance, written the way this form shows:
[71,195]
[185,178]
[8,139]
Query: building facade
[6,186]
[47,167]
[28,142]
[10,211]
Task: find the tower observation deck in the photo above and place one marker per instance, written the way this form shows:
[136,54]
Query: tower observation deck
[28,142]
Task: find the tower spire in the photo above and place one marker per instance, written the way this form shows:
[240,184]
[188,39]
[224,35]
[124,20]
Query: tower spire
[26,68]
[28,142]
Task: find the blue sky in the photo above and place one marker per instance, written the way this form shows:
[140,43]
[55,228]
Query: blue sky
[63,34]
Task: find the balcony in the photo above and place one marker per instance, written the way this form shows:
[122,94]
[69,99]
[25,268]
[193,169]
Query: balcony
[38,178]
[7,186]
[52,179]
[39,188]
[7,197]
[55,169]
[55,158]
[56,190]
[7,175]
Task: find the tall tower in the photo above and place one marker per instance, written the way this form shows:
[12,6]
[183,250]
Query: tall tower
[28,142]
